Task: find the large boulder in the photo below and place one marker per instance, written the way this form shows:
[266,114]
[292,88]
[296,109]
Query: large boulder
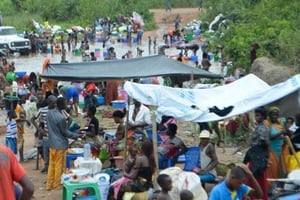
[270,72]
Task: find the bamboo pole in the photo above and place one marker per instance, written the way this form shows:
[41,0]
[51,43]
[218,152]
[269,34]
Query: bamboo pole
[126,127]
[155,151]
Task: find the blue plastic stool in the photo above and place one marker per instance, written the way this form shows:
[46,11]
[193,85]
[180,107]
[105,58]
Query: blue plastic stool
[72,156]
[69,188]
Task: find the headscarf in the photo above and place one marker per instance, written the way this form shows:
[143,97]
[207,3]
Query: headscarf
[273,108]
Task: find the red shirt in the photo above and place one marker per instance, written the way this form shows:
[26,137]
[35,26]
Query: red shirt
[10,170]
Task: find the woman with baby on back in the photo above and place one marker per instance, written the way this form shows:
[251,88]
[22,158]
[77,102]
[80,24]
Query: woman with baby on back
[141,173]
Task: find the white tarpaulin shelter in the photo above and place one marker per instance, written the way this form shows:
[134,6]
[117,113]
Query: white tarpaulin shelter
[244,94]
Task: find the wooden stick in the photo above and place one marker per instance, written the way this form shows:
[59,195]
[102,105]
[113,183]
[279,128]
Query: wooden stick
[292,149]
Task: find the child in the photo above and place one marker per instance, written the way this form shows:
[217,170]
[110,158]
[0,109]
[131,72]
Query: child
[165,182]
[11,132]
[130,161]
[186,195]
[233,186]
[128,165]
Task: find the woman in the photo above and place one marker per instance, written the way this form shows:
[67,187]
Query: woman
[142,171]
[91,122]
[276,128]
[257,156]
[90,131]
[171,147]
[88,94]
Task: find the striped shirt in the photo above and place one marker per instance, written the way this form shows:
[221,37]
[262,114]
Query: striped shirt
[12,131]
[42,116]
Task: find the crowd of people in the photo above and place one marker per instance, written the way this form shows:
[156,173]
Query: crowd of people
[56,105]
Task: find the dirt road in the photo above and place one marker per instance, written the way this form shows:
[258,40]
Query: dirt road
[166,20]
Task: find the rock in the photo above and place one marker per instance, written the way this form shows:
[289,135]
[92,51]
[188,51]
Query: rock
[270,72]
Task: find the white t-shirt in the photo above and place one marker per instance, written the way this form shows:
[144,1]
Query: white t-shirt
[143,116]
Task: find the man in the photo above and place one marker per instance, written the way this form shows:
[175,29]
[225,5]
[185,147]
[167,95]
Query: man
[12,171]
[208,157]
[42,127]
[233,187]
[71,93]
[58,142]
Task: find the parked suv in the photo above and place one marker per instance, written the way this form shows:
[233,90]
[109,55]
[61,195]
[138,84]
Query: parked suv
[9,36]
[3,48]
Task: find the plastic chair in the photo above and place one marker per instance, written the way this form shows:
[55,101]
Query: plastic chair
[69,188]
[192,158]
[160,135]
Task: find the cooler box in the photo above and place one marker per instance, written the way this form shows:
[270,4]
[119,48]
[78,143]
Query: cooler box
[118,104]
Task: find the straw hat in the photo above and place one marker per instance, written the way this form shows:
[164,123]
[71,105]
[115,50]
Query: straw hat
[204,134]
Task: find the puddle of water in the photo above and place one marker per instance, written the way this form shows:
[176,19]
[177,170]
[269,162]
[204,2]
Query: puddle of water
[33,63]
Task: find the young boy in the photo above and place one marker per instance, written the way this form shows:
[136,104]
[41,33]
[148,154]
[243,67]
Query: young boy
[11,132]
[165,182]
[233,188]
[186,195]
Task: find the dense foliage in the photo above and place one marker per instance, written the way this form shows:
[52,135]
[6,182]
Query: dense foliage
[273,24]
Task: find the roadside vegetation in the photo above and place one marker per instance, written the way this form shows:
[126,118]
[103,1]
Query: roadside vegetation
[273,24]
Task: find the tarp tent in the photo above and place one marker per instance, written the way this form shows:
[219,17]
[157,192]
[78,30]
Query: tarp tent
[123,69]
[244,94]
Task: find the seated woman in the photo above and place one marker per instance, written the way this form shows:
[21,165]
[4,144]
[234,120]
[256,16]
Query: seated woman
[91,122]
[141,173]
[91,129]
[173,146]
[164,123]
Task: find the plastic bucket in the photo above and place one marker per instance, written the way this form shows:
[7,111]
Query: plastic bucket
[125,40]
[194,58]
[100,100]
[211,56]
[100,40]
[81,105]
[97,53]
[105,53]
[103,183]
[119,161]
[77,52]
